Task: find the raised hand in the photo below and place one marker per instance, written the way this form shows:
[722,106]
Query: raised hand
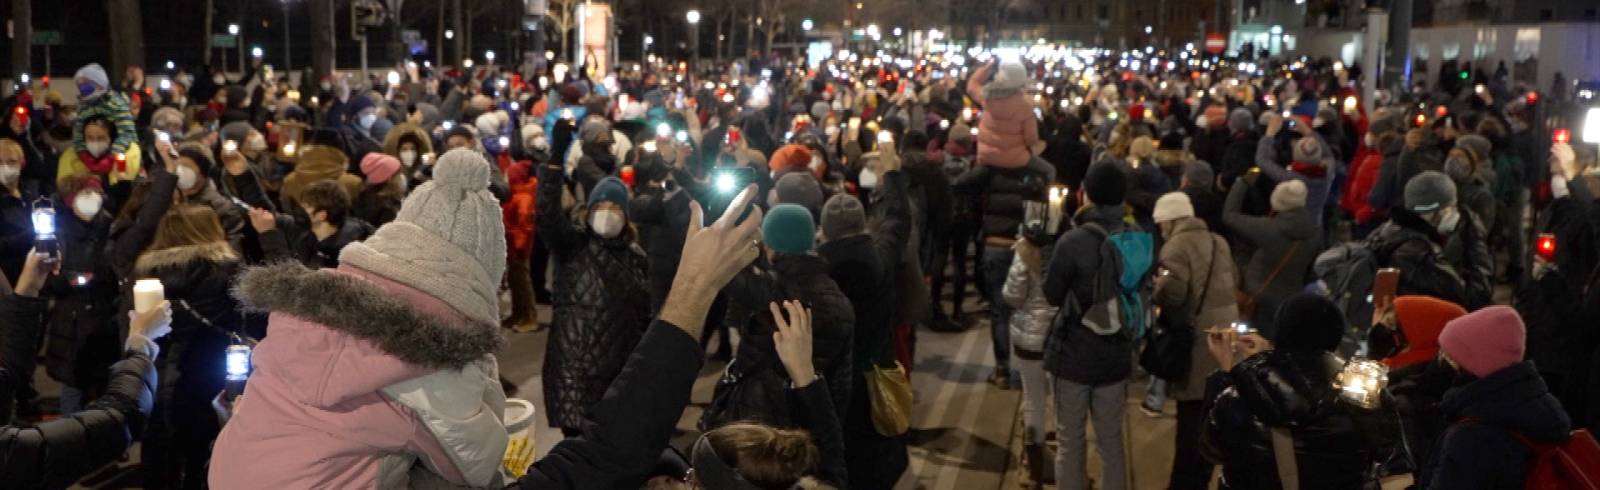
[793,341]
[712,255]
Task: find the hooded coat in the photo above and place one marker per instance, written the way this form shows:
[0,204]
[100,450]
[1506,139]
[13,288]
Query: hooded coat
[601,307]
[1007,132]
[1199,285]
[364,382]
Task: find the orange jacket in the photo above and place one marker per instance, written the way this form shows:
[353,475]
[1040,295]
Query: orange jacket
[518,210]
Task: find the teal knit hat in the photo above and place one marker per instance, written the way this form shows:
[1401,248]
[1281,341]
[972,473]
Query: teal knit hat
[788,228]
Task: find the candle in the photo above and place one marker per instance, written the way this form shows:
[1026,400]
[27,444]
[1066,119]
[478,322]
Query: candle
[1058,199]
[147,293]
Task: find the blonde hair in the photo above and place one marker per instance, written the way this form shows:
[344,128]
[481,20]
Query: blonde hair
[767,457]
[10,147]
[188,224]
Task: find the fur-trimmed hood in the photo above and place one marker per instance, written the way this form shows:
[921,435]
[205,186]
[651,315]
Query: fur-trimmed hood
[215,252]
[360,307]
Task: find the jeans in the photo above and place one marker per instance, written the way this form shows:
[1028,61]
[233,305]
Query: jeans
[996,263]
[1035,395]
[1190,470]
[1155,396]
[1104,406]
[71,400]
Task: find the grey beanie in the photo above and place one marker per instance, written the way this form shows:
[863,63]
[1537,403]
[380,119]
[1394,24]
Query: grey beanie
[843,216]
[1240,120]
[1308,150]
[448,240]
[236,132]
[1478,145]
[1385,122]
[1429,191]
[800,188]
[593,128]
[819,111]
[1199,174]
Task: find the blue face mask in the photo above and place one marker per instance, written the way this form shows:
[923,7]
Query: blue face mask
[86,89]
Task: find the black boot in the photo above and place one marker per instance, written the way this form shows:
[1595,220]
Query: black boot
[1036,461]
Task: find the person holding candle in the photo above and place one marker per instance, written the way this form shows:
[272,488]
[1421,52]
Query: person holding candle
[1286,387]
[56,453]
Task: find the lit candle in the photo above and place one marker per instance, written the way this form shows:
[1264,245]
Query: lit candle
[147,293]
[1058,200]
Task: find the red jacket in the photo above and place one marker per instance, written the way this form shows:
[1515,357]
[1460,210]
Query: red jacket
[518,210]
[1364,174]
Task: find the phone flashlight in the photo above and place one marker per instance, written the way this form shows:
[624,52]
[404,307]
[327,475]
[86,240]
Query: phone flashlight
[505,142]
[649,146]
[683,136]
[726,183]
[885,137]
[944,124]
[566,113]
[236,363]
[1242,328]
[44,230]
[1561,136]
[163,136]
[663,130]
[1545,246]
[230,146]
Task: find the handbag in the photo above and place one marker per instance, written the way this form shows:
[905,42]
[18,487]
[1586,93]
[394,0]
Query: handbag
[889,390]
[1169,347]
[1247,301]
[758,395]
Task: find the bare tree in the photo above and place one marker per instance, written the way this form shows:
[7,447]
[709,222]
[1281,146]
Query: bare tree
[22,36]
[561,17]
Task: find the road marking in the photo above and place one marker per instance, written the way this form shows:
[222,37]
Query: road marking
[936,415]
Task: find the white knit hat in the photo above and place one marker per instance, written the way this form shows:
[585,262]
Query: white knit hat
[1012,75]
[1289,195]
[447,241]
[1171,206]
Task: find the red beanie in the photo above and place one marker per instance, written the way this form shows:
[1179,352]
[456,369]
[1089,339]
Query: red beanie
[1136,112]
[1485,341]
[790,158]
[379,167]
[1421,319]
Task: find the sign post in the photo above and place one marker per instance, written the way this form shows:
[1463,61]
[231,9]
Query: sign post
[46,39]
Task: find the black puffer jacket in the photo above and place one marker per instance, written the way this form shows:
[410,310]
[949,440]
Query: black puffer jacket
[1336,444]
[1003,192]
[84,338]
[1480,449]
[601,308]
[1418,390]
[863,267]
[802,277]
[1071,350]
[57,453]
[16,233]
[663,220]
[1411,244]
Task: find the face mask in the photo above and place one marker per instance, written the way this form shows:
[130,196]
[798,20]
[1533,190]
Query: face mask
[86,89]
[185,79]
[408,157]
[1447,225]
[325,86]
[607,224]
[1371,140]
[97,148]
[219,80]
[867,179]
[186,177]
[255,143]
[87,203]
[9,174]
[366,120]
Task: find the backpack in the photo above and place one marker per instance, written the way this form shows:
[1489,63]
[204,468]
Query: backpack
[1573,464]
[1346,272]
[1120,301]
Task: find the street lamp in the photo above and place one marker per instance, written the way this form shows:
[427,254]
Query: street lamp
[255,52]
[449,34]
[806,25]
[286,34]
[694,37]
[489,56]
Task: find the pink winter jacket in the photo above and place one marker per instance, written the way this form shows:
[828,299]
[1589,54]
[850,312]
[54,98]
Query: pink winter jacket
[1007,131]
[362,382]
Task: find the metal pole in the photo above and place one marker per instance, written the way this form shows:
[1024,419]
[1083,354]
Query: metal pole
[364,76]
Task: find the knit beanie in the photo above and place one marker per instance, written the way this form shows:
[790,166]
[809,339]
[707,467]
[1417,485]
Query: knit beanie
[819,111]
[1240,120]
[379,167]
[1289,196]
[1485,341]
[167,117]
[236,132]
[1429,191]
[593,128]
[1422,318]
[843,216]
[1308,323]
[610,189]
[790,158]
[460,130]
[487,124]
[788,228]
[1105,184]
[1308,150]
[448,240]
[1011,76]
[799,188]
[1478,145]
[1172,206]
[1386,121]
[1199,174]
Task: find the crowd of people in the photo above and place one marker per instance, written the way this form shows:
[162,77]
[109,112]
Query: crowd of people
[1237,235]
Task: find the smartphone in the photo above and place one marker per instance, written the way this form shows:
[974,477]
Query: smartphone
[1384,286]
[885,137]
[1545,246]
[729,180]
[44,231]
[683,136]
[241,204]
[1242,328]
